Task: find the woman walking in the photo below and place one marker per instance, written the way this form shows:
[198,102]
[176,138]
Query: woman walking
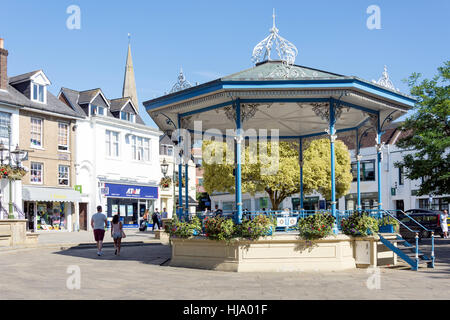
[116,233]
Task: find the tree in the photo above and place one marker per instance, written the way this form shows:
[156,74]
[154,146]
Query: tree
[285,181]
[317,169]
[429,136]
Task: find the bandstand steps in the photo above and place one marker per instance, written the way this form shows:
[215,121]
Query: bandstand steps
[404,250]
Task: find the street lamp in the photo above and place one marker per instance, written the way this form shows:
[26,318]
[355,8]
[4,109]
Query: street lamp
[18,155]
[164,167]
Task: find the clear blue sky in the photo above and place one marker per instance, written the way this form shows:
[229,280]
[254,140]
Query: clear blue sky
[210,39]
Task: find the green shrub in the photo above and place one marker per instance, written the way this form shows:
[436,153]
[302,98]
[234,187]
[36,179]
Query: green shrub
[259,226]
[219,228]
[388,220]
[183,230]
[316,226]
[359,224]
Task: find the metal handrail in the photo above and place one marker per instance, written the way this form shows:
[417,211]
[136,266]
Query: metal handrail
[413,220]
[4,212]
[20,213]
[384,211]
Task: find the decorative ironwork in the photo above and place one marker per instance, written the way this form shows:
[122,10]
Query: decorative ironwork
[287,52]
[186,122]
[181,84]
[322,110]
[230,113]
[385,81]
[248,111]
[373,119]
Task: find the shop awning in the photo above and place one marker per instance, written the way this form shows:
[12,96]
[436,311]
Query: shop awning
[50,194]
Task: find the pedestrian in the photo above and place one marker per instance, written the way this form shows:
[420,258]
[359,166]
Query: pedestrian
[99,222]
[116,233]
[444,225]
[218,212]
[156,219]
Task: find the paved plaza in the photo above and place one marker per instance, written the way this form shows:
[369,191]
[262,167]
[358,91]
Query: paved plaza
[141,272]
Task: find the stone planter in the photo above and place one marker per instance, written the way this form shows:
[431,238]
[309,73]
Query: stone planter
[370,252]
[13,232]
[281,252]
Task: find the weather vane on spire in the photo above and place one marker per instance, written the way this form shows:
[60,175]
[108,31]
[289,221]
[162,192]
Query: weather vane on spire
[287,52]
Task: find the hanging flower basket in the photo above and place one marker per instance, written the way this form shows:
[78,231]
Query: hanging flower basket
[165,182]
[7,172]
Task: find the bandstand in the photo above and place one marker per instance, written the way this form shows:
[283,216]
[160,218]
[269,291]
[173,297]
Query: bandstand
[302,103]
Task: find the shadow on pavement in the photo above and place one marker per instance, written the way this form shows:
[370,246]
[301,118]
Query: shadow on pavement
[148,253]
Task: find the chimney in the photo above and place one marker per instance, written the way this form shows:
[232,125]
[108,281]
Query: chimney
[3,65]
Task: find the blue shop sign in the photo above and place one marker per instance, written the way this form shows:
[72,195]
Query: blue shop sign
[130,191]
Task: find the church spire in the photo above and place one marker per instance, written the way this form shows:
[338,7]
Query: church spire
[129,84]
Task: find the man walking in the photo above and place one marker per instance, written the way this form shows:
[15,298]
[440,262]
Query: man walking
[218,212]
[99,223]
[156,219]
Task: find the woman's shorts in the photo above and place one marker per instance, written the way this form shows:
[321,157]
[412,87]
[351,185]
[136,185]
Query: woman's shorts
[117,235]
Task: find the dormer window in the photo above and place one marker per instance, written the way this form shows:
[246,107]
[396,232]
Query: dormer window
[97,110]
[38,92]
[127,116]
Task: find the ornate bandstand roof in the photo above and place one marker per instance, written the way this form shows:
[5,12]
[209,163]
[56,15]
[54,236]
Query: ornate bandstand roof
[277,94]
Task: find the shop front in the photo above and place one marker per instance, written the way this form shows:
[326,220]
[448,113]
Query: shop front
[369,201]
[49,208]
[130,202]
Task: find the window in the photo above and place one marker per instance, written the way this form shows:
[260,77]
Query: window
[367,171]
[166,150]
[97,110]
[146,149]
[63,175]
[5,123]
[38,92]
[140,148]
[401,177]
[36,172]
[127,116]
[36,132]
[63,136]
[112,143]
[133,147]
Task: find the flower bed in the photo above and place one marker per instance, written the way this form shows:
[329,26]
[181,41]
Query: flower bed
[359,223]
[316,226]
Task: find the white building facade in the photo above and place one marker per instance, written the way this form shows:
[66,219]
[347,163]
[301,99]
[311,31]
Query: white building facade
[117,160]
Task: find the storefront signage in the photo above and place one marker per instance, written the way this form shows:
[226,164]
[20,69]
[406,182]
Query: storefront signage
[130,191]
[78,188]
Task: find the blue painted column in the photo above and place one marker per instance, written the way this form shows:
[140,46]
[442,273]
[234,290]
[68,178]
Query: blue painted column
[333,178]
[186,190]
[180,175]
[358,172]
[379,166]
[300,155]
[238,179]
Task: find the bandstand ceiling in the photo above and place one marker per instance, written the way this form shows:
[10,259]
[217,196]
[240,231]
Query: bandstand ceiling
[293,99]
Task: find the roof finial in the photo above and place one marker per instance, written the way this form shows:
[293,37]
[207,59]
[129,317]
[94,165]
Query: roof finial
[385,81]
[273,16]
[287,52]
[129,38]
[181,84]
